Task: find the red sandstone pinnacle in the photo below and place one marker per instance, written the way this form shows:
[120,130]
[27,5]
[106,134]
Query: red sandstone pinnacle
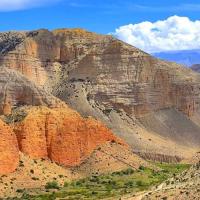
[62,135]
[9,153]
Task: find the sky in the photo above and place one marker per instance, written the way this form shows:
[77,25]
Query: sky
[150,25]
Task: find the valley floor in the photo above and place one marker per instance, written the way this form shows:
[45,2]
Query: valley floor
[123,184]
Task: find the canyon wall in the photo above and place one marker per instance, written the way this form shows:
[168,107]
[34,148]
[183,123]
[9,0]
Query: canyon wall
[118,75]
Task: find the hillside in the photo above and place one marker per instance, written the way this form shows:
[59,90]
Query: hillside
[183,186]
[68,96]
[116,83]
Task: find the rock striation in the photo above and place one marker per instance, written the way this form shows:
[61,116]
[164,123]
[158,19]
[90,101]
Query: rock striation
[16,90]
[9,153]
[61,135]
[119,76]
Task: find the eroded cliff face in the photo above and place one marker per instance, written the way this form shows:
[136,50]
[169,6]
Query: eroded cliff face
[122,77]
[61,135]
[16,90]
[29,56]
[119,76]
[58,134]
[9,153]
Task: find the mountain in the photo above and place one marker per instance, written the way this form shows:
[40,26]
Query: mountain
[184,57]
[90,104]
[196,67]
[99,76]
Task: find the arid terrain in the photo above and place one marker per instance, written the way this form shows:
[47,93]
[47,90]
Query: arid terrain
[75,104]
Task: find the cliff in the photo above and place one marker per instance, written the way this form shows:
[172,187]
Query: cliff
[61,135]
[102,77]
[16,90]
[9,153]
[120,76]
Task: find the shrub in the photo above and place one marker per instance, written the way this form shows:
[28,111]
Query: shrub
[129,171]
[129,184]
[20,190]
[141,167]
[66,184]
[139,183]
[94,179]
[78,183]
[17,115]
[35,178]
[52,185]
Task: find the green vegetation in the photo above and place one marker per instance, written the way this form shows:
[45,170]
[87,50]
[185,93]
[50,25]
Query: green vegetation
[110,185]
[52,185]
[17,115]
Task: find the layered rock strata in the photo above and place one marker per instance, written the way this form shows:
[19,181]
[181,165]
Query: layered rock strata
[103,77]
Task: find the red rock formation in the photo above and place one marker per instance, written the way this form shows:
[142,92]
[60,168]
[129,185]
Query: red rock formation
[61,134]
[9,153]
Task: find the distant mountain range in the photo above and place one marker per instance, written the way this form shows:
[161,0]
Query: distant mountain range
[196,67]
[185,57]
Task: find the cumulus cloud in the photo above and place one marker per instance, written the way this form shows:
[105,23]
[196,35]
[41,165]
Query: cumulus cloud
[10,5]
[174,33]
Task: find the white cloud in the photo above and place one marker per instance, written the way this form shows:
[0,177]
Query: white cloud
[10,5]
[174,33]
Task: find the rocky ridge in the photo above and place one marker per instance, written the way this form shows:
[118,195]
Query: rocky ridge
[58,134]
[110,88]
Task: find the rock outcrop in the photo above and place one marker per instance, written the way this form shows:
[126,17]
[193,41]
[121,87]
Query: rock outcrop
[61,135]
[16,90]
[9,153]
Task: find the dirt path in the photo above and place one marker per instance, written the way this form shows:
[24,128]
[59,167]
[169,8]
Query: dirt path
[138,196]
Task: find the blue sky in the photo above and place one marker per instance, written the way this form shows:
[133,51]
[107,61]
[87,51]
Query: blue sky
[102,16]
[95,15]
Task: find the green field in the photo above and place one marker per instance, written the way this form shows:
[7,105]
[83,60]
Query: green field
[109,185]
